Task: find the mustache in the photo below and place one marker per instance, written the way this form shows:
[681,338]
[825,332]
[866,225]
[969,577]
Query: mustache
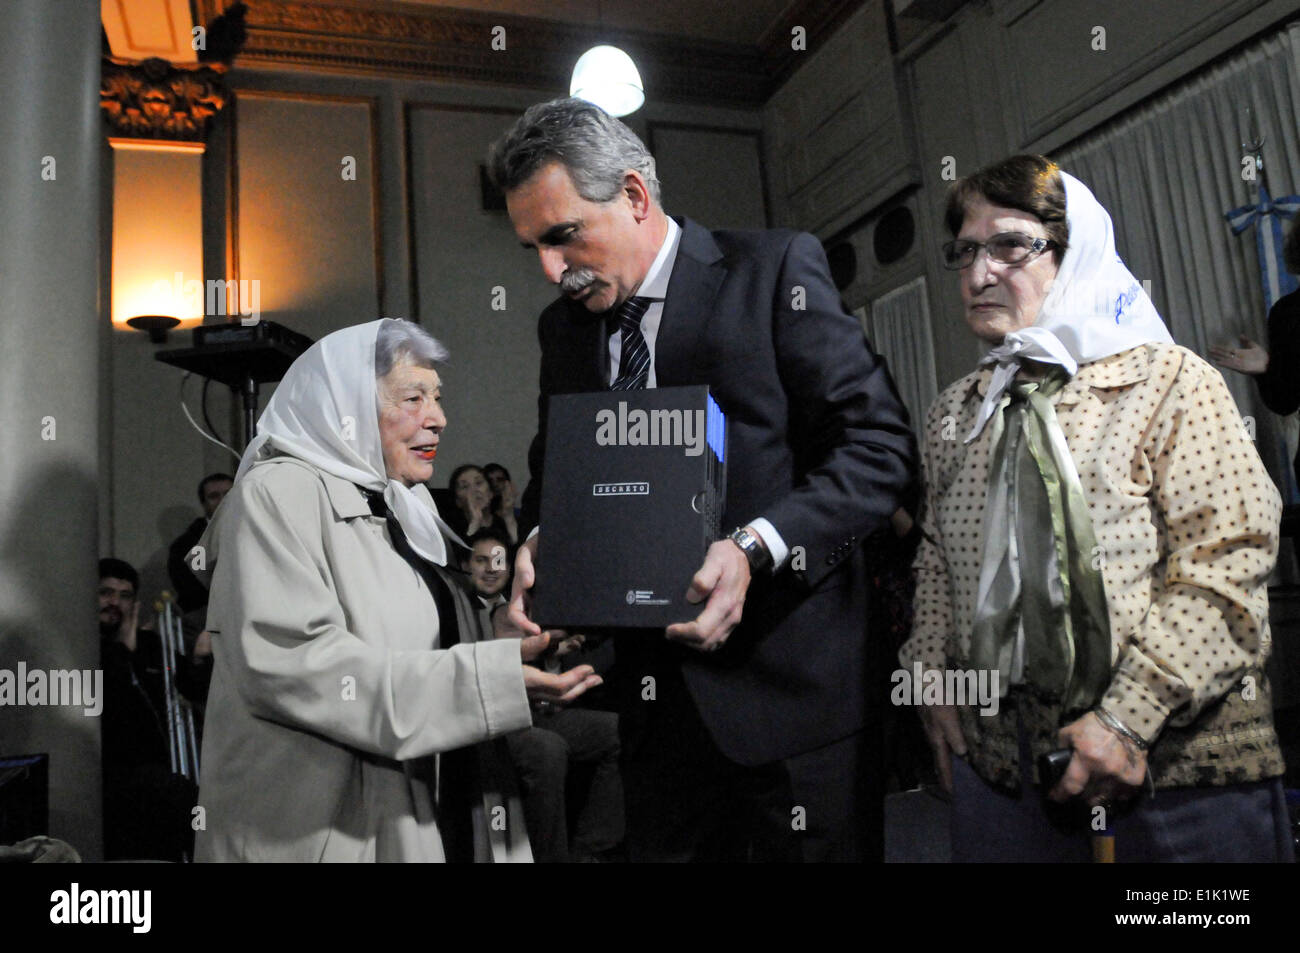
[574,281]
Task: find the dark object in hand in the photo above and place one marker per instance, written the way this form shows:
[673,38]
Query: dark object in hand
[1051,767]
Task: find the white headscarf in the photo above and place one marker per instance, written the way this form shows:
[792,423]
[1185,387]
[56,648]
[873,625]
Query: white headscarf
[1096,307]
[326,412]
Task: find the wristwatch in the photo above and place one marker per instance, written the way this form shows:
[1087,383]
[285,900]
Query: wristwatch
[759,558]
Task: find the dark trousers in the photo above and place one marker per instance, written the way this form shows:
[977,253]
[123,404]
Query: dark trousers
[686,801]
[543,757]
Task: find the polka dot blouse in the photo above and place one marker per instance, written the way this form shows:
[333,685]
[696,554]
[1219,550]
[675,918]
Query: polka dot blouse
[1186,520]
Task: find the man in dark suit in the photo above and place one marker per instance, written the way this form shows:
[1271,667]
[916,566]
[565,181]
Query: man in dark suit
[191,593]
[743,729]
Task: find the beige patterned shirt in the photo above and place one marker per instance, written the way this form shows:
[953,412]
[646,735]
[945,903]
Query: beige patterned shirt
[1186,520]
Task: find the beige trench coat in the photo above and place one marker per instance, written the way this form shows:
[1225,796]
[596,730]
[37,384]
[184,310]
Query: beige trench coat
[328,699]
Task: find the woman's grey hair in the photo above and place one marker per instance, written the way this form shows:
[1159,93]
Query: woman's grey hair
[596,148]
[402,342]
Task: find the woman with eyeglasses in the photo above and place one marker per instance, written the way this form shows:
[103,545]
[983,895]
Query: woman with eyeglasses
[1097,535]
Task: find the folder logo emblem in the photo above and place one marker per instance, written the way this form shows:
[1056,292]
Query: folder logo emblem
[644,597]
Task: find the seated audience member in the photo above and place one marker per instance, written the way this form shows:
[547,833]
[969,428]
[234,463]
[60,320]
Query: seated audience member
[190,592]
[544,757]
[559,739]
[474,509]
[504,498]
[146,806]
[488,565]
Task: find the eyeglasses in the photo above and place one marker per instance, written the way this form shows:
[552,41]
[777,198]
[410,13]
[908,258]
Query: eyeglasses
[1009,248]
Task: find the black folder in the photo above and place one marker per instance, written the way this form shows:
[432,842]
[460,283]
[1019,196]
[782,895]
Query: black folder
[632,498]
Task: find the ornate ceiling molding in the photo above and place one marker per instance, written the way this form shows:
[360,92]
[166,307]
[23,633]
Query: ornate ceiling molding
[154,103]
[381,38]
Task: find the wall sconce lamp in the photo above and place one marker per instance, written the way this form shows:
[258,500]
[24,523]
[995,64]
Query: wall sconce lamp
[156,324]
[157,239]
[158,112]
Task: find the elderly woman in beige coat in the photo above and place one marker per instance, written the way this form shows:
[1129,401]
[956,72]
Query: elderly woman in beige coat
[339,671]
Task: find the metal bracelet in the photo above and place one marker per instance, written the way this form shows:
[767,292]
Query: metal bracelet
[1121,729]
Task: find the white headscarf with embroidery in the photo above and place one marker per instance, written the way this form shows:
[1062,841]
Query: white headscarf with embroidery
[326,411]
[1095,308]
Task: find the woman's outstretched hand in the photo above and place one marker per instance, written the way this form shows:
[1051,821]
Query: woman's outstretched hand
[1246,358]
[558,688]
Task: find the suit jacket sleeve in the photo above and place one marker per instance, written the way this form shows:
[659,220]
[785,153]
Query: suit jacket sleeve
[554,359]
[851,430]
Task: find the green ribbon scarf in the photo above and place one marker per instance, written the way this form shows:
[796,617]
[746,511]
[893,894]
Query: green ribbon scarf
[1037,573]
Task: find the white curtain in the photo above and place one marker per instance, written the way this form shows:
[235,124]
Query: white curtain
[899,331]
[1170,170]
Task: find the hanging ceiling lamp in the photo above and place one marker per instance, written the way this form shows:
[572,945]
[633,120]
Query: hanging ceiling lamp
[606,76]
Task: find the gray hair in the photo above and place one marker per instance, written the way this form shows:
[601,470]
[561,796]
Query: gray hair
[402,342]
[595,148]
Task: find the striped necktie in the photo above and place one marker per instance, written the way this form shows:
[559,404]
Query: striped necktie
[634,362]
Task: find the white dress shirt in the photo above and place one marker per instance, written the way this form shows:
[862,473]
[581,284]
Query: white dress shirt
[655,287]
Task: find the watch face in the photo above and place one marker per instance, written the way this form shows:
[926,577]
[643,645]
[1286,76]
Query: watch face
[748,544]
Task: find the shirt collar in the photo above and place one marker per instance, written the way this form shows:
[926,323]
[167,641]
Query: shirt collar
[655,283]
[347,499]
[1120,370]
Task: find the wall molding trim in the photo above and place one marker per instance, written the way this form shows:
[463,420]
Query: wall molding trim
[382,38]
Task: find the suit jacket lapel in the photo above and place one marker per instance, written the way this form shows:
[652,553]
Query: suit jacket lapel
[584,342]
[688,307]
[599,350]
